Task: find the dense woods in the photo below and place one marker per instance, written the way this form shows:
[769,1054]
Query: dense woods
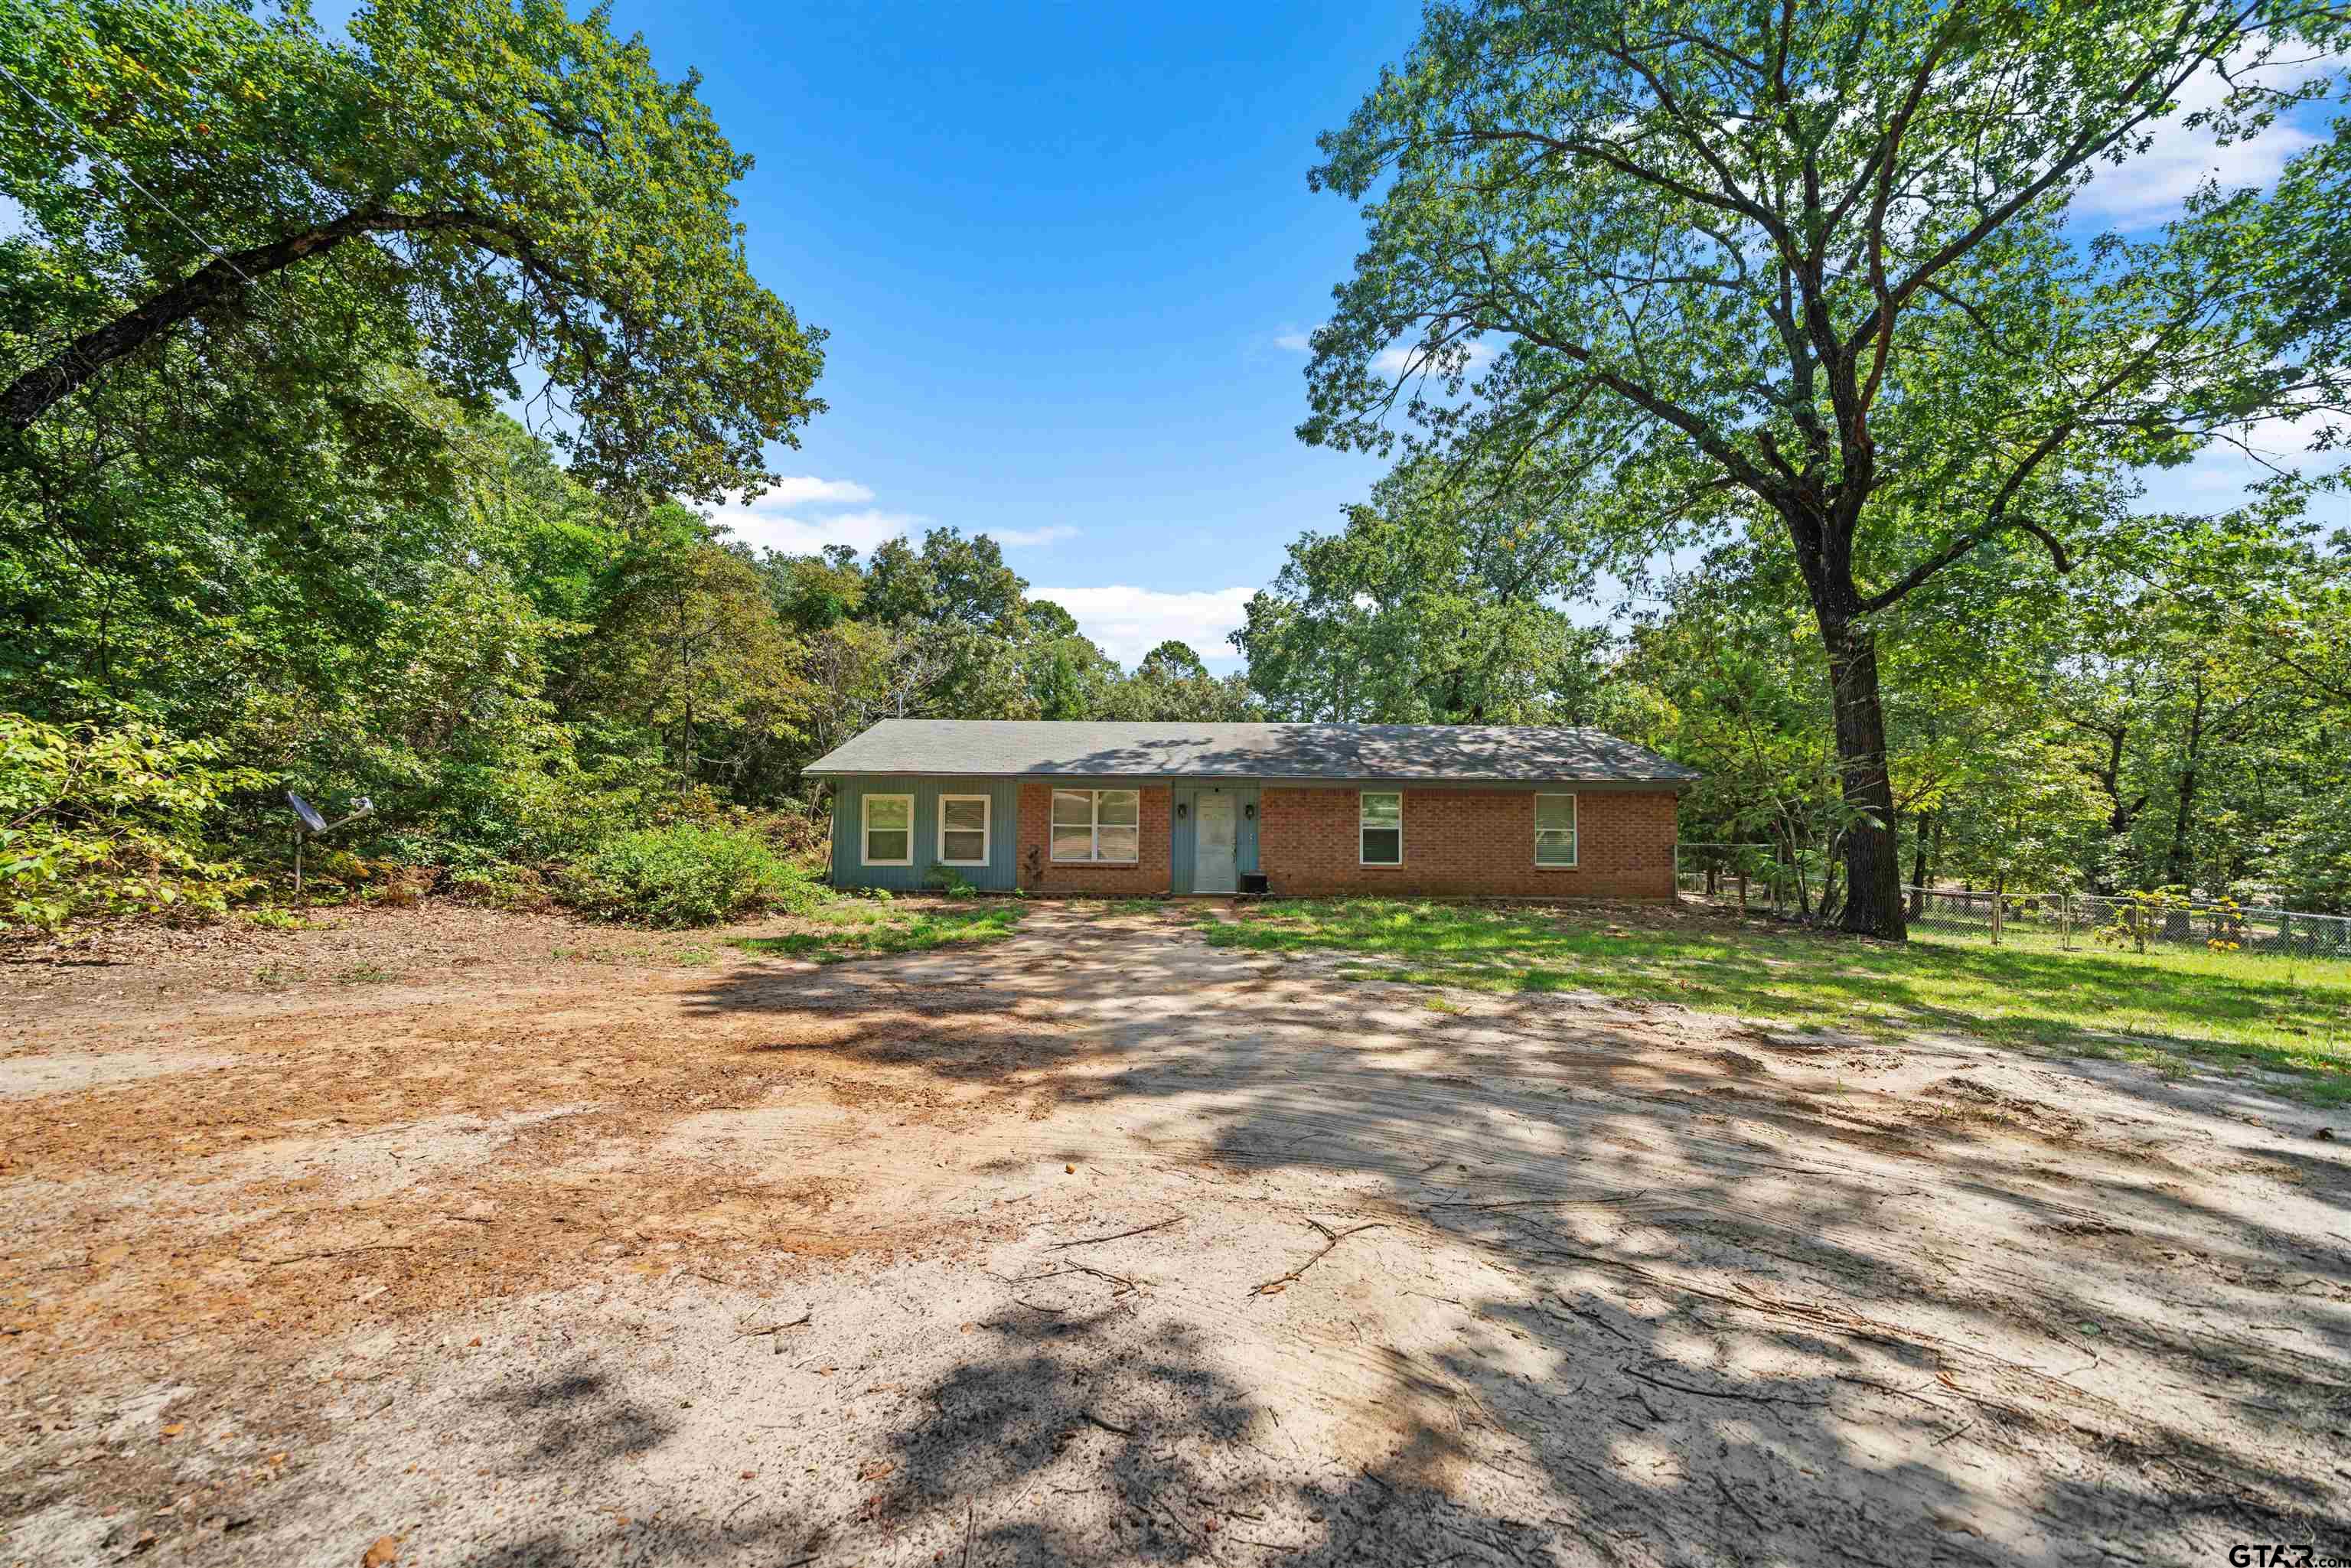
[365,401]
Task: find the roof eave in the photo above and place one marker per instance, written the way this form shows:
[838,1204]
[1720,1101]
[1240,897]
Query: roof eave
[1645,782]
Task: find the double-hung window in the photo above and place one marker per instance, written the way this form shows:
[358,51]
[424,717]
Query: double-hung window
[963,829]
[886,829]
[1098,825]
[1555,831]
[1379,828]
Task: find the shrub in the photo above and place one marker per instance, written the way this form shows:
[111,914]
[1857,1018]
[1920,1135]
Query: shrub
[104,823]
[946,879]
[687,873]
[500,886]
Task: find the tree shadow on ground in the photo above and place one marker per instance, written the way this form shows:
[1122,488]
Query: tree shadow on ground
[1817,1321]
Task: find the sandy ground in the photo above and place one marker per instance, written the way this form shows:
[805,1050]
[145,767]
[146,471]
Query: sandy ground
[447,1237]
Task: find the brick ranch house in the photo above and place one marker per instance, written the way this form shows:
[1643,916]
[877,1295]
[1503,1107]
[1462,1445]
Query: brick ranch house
[1458,811]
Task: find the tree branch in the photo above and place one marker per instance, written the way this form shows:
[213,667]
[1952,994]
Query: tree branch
[217,282]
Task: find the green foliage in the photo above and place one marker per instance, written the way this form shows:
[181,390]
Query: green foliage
[500,886]
[490,180]
[687,873]
[1804,274]
[953,883]
[1437,603]
[99,824]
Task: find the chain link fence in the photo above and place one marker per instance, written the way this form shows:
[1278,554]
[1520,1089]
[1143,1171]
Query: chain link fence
[1750,876]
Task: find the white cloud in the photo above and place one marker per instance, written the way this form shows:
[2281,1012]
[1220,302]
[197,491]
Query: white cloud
[1389,361]
[806,489]
[1128,622]
[774,520]
[2220,476]
[1015,537]
[1403,357]
[2151,188]
[767,524]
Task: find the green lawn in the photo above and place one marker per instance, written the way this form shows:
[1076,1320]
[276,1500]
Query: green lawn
[860,930]
[2169,1009]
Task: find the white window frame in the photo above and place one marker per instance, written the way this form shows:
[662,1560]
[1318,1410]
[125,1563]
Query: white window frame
[865,827]
[1093,826]
[1576,833]
[1361,827]
[987,827]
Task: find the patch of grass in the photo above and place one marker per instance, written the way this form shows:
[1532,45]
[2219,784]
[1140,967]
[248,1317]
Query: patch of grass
[363,975]
[1135,906]
[852,932]
[2169,1010]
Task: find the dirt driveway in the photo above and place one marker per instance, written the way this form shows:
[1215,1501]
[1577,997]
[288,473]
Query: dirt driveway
[457,1238]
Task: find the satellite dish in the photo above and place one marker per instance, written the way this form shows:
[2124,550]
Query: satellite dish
[307,811]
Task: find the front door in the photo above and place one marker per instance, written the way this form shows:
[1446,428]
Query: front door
[1213,864]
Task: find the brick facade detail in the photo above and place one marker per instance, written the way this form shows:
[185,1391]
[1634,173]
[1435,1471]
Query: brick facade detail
[1463,844]
[1039,870]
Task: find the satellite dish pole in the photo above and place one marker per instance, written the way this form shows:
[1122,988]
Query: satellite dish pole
[310,824]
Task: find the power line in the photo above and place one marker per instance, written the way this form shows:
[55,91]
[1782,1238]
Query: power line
[112,161]
[390,388]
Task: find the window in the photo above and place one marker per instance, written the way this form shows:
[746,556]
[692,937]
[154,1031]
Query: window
[1555,829]
[1096,824]
[963,829]
[888,830]
[1380,826]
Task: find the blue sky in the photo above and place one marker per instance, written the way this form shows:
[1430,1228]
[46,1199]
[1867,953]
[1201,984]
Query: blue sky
[1059,250]
[1067,257]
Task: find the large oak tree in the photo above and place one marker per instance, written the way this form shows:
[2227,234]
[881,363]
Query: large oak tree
[520,193]
[1814,263]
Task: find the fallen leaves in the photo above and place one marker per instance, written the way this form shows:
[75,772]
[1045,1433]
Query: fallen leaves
[385,1549]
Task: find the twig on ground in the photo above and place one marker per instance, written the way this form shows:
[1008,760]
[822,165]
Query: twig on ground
[1115,1236]
[1280,1282]
[1719,1392]
[1123,1283]
[341,1253]
[773,1328]
[1094,1420]
[1176,1517]
[1543,1202]
[1733,1498]
[1594,1319]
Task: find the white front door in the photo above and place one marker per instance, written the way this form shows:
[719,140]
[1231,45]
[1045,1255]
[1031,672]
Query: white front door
[1212,846]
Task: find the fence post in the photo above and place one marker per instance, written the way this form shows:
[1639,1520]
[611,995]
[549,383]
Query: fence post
[2064,922]
[1997,901]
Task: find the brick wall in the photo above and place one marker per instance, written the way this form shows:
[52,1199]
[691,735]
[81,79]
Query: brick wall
[1465,843]
[1148,874]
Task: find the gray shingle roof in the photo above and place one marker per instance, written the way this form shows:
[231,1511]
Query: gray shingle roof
[1021,747]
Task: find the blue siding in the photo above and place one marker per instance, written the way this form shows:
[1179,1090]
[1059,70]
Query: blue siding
[1182,835]
[999,873]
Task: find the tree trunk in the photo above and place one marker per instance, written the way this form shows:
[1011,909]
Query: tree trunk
[1918,869]
[2176,871]
[1873,857]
